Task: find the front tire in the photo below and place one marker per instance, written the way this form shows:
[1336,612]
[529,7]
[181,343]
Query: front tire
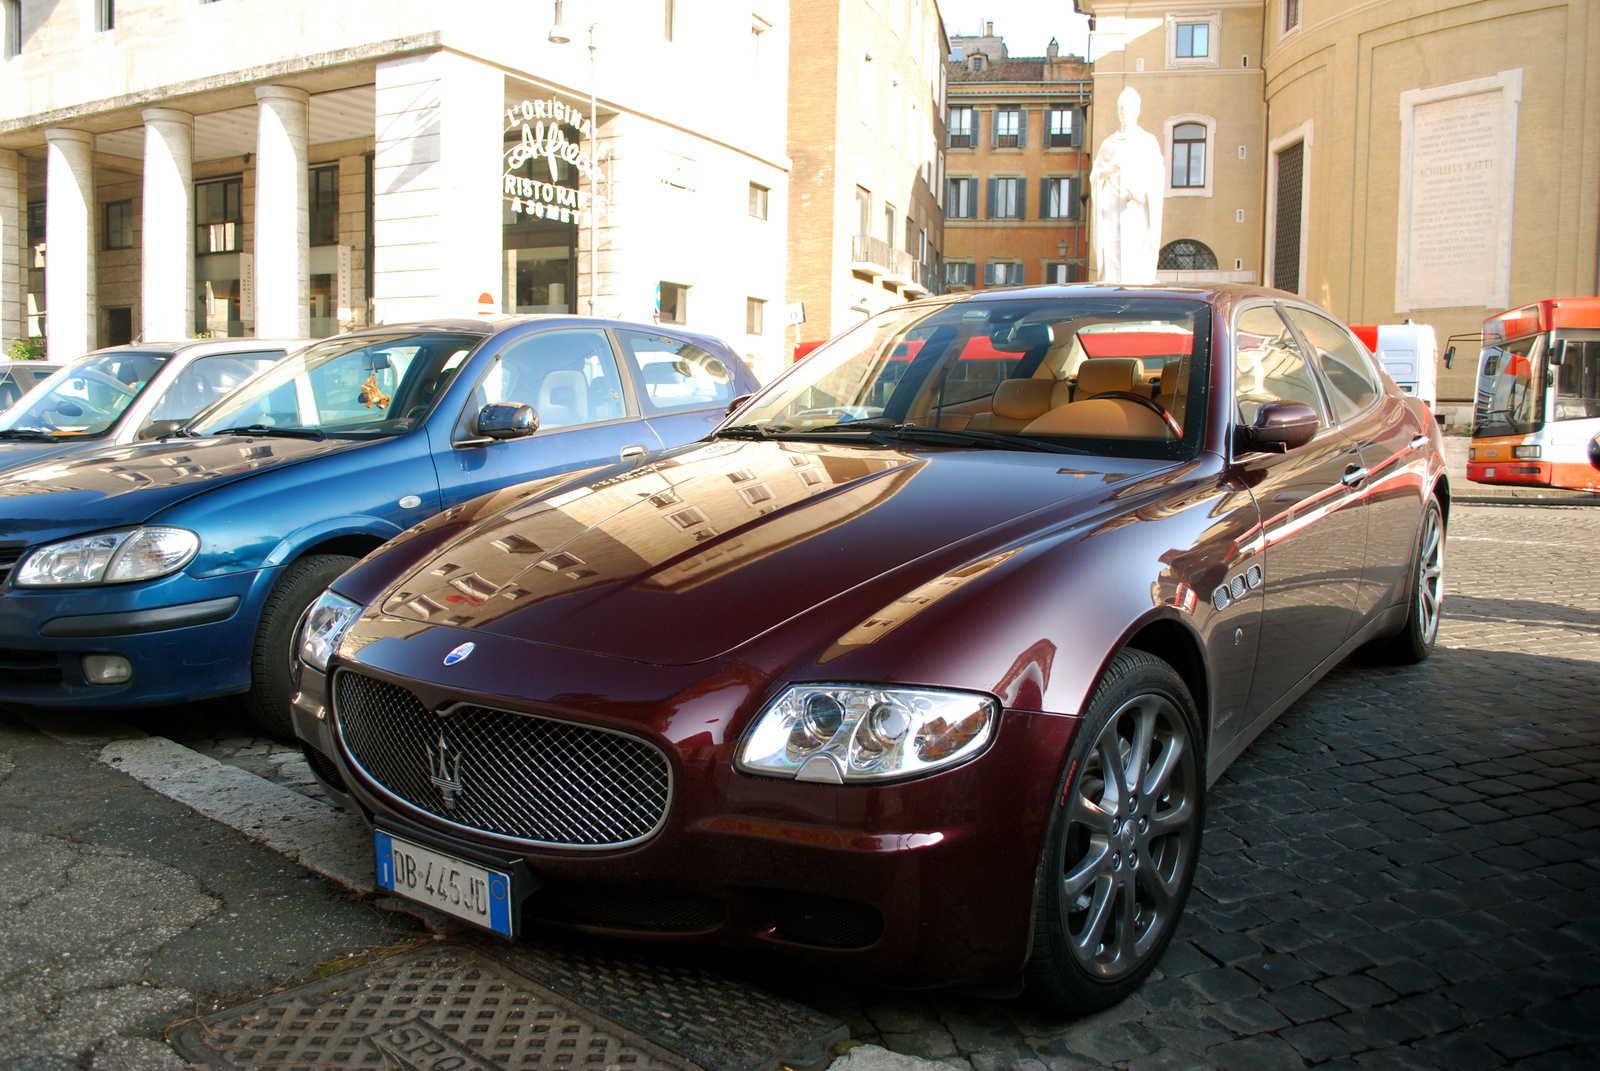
[1123,841]
[1415,640]
[272,663]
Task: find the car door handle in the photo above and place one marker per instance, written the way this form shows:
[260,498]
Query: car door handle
[1354,476]
[633,450]
[1418,442]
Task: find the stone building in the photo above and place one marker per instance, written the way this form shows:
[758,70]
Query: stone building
[171,168]
[866,136]
[1436,160]
[1017,169]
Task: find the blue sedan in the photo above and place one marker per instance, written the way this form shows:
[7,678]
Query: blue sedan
[179,569]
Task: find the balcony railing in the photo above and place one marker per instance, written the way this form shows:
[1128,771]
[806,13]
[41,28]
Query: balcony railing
[869,255]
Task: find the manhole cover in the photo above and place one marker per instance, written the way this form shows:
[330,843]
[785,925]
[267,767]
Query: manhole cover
[437,1008]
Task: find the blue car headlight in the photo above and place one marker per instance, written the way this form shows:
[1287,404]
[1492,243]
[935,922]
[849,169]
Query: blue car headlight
[848,733]
[325,625]
[108,558]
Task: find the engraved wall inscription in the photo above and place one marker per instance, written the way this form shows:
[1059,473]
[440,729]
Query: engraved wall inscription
[1458,160]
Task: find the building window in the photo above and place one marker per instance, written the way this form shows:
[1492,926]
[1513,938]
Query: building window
[1064,128]
[960,274]
[1058,199]
[867,91]
[863,212]
[1291,15]
[978,61]
[1062,272]
[754,316]
[889,217]
[1186,254]
[36,223]
[105,15]
[674,303]
[1194,40]
[671,30]
[325,205]
[1009,128]
[119,224]
[11,13]
[1006,197]
[758,200]
[962,128]
[217,215]
[962,198]
[997,273]
[1188,155]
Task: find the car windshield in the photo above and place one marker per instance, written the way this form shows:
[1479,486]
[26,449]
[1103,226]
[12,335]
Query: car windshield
[85,398]
[354,385]
[1113,375]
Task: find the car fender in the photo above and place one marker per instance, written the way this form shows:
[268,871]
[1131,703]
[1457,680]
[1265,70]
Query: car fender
[325,529]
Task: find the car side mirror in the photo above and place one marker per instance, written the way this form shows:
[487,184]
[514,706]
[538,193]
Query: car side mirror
[157,428]
[737,402]
[505,420]
[1450,357]
[1281,426]
[1558,354]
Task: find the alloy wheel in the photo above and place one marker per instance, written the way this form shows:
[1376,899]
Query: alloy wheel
[1430,575]
[1132,828]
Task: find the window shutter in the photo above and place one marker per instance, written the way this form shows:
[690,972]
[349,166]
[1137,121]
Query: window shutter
[994,191]
[1073,208]
[1044,197]
[1077,128]
[1022,127]
[994,129]
[1022,199]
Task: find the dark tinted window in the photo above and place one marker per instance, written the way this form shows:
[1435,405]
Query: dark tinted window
[1578,382]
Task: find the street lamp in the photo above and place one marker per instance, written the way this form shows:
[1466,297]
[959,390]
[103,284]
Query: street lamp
[558,36]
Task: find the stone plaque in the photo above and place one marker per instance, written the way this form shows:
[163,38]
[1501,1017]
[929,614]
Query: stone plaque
[1457,183]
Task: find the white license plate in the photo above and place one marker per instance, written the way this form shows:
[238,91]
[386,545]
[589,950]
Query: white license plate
[445,883]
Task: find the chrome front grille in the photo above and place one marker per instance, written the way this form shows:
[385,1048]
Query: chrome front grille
[523,776]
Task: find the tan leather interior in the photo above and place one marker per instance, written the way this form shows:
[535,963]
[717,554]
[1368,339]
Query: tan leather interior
[1028,399]
[1098,375]
[1110,418]
[1168,389]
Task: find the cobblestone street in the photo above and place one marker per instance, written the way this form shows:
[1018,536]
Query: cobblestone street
[1402,872]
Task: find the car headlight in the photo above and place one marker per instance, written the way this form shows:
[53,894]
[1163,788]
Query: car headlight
[845,733]
[325,626]
[109,558]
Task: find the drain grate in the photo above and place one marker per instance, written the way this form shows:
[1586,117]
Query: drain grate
[444,1006]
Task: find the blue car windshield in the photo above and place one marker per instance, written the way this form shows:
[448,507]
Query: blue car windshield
[84,399]
[353,385]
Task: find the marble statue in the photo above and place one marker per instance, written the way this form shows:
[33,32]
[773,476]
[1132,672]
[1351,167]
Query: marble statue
[1126,186]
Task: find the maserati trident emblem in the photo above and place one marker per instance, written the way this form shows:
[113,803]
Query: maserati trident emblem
[459,654]
[444,770]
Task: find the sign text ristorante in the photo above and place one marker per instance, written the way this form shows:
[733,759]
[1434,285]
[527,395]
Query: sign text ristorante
[543,125]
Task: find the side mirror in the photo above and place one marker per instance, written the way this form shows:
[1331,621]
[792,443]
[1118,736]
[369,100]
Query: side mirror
[1558,354]
[1281,426]
[505,420]
[157,428]
[737,402]
[1450,357]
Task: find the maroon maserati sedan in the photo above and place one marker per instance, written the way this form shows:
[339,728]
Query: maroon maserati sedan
[919,666]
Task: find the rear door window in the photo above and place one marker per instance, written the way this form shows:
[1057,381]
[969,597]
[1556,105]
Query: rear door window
[675,375]
[1351,379]
[1268,365]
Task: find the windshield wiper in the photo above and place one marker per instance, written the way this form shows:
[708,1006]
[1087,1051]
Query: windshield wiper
[269,430]
[31,434]
[741,431]
[961,437]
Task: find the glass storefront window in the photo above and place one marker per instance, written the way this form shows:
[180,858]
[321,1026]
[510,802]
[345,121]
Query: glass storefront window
[218,215]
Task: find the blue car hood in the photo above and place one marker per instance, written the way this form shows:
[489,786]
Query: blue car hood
[123,485]
[19,453]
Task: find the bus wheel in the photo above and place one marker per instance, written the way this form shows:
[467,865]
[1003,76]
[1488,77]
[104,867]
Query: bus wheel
[1415,640]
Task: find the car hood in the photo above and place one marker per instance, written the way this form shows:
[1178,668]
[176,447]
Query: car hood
[122,485]
[691,556]
[19,453]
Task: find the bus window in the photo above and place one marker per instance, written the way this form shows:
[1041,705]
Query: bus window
[1578,382]
[1510,397]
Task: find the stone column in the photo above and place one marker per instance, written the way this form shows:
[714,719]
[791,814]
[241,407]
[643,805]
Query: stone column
[72,311]
[282,225]
[167,279]
[13,276]
[436,201]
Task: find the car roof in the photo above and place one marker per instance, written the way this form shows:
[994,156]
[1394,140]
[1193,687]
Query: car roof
[209,345]
[1214,293]
[494,325]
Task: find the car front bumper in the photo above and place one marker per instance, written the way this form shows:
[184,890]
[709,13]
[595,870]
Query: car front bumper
[922,882]
[185,638]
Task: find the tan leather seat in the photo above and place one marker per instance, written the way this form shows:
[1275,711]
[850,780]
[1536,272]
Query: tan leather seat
[1018,403]
[1167,391]
[1111,418]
